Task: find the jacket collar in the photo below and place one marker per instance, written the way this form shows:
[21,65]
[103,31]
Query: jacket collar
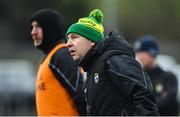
[112,42]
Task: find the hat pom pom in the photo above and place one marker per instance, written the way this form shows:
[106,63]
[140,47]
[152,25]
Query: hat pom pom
[97,15]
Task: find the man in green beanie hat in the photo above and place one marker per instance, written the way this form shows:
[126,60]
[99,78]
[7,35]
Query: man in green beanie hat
[116,84]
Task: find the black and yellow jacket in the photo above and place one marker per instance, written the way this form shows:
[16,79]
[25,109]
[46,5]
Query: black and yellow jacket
[166,91]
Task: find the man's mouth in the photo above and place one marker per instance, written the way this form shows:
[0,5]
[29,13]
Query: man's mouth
[72,52]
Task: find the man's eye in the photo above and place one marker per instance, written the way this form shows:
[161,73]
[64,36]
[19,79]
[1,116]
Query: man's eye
[74,37]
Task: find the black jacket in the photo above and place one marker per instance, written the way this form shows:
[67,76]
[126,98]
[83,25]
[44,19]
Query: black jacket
[166,90]
[116,82]
[68,74]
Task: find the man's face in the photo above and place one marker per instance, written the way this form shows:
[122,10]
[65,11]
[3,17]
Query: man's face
[78,46]
[36,33]
[146,59]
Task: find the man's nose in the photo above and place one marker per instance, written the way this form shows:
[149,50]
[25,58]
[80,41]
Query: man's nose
[69,43]
[33,31]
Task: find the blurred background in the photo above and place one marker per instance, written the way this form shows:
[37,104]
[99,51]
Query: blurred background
[19,59]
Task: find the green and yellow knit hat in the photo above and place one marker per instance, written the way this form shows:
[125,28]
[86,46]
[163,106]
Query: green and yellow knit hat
[89,27]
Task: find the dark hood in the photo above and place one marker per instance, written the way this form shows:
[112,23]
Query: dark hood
[52,25]
[112,43]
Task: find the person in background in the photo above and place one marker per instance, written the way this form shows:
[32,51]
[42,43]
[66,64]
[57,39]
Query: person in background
[116,83]
[165,83]
[59,83]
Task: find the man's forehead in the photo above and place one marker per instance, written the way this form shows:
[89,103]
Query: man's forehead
[74,34]
[35,23]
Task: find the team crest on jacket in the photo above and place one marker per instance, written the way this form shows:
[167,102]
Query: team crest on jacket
[96,77]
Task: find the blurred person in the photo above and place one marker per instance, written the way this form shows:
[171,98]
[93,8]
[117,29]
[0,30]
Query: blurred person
[59,84]
[165,83]
[116,83]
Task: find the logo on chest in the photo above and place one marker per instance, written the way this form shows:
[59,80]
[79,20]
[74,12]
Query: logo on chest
[40,84]
[159,88]
[96,77]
